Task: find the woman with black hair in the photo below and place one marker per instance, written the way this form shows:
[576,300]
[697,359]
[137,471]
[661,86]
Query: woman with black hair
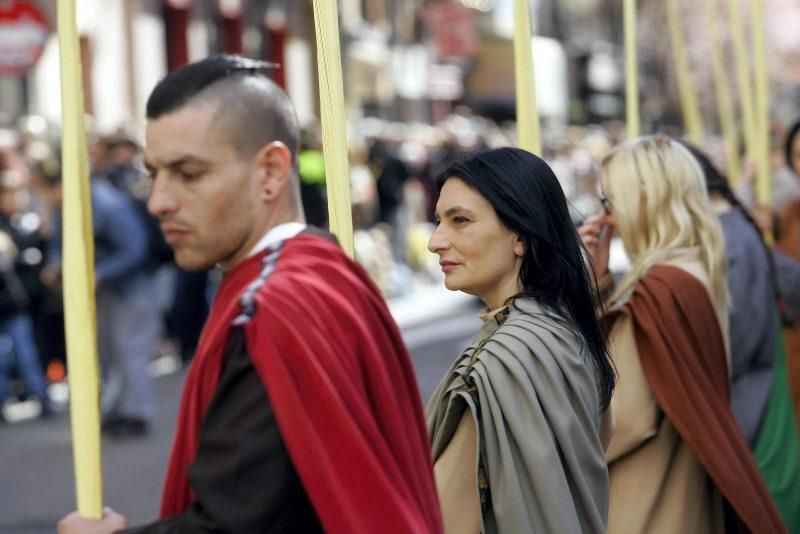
[760,395]
[516,422]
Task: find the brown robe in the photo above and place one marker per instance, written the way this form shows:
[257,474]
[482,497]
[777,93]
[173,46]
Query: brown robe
[673,321]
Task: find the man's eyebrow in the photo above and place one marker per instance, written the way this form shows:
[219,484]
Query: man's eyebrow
[186,160]
[179,162]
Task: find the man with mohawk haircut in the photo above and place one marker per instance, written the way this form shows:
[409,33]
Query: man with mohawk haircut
[300,411]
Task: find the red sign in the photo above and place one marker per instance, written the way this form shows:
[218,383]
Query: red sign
[230,9]
[454,29]
[23,34]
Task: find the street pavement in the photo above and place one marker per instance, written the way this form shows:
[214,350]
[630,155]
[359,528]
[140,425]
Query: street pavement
[36,455]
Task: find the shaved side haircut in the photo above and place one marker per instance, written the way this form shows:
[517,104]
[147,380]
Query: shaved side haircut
[250,109]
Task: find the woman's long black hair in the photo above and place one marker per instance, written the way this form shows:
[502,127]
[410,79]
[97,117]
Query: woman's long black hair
[716,182]
[529,201]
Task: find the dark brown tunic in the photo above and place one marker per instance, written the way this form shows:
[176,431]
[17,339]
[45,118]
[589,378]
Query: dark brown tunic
[243,477]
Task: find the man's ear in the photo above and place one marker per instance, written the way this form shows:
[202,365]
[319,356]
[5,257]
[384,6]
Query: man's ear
[274,165]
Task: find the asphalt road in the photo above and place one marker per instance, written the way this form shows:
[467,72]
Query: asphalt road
[36,456]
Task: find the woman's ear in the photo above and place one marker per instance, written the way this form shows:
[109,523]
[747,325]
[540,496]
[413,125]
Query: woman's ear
[519,246]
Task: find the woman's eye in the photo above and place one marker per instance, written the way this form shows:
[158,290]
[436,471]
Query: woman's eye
[460,220]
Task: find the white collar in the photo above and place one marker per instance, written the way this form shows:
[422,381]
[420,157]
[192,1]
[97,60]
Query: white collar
[276,234]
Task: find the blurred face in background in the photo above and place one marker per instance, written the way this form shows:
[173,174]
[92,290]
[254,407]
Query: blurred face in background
[98,154]
[12,200]
[13,193]
[478,254]
[123,153]
[51,195]
[15,180]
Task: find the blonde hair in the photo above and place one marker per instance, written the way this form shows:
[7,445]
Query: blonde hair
[660,204]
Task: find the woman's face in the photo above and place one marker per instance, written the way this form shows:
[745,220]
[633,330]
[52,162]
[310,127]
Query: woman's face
[794,161]
[478,254]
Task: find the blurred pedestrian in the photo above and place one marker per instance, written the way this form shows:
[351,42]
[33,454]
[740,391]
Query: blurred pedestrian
[189,310]
[788,242]
[182,316]
[17,345]
[517,423]
[42,278]
[677,455]
[300,412]
[126,296]
[120,165]
[25,227]
[753,312]
[760,397]
[391,175]
[311,168]
[122,168]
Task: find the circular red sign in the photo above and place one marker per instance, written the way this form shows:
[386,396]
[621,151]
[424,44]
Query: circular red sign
[23,34]
[180,4]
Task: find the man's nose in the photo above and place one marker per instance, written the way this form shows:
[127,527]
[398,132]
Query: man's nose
[162,200]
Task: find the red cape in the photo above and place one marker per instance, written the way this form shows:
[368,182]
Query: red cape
[340,382]
[683,357]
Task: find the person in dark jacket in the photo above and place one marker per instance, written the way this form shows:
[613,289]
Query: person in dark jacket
[126,299]
[19,286]
[391,176]
[17,346]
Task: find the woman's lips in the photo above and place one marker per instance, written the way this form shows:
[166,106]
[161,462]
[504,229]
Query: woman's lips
[448,266]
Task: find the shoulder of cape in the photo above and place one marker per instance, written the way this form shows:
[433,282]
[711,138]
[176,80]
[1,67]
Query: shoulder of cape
[670,273]
[312,251]
[318,266]
[543,336]
[531,356]
[664,278]
[680,284]
[288,264]
[533,322]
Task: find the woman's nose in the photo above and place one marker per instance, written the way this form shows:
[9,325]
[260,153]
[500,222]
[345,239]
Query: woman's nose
[438,241]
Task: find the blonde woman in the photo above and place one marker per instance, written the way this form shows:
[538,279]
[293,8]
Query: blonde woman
[677,461]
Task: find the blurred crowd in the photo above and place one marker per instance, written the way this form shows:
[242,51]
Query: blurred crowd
[131,263]
[149,309]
